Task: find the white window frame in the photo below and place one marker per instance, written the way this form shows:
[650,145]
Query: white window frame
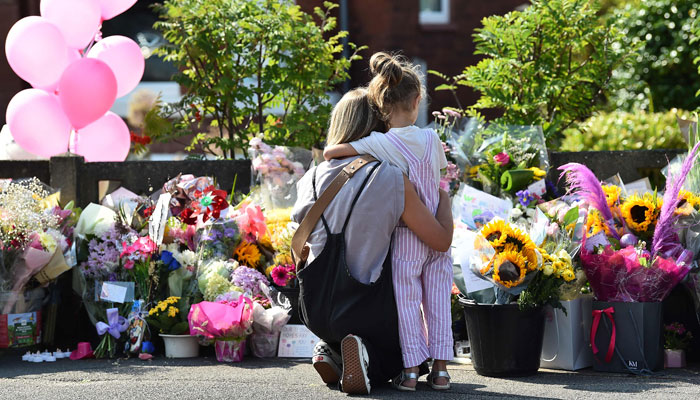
[433,17]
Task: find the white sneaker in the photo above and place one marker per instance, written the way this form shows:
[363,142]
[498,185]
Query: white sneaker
[355,365]
[326,362]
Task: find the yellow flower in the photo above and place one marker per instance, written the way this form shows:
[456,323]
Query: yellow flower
[685,205]
[248,254]
[568,275]
[548,269]
[496,232]
[509,269]
[518,239]
[539,173]
[269,269]
[172,311]
[612,194]
[473,171]
[640,212]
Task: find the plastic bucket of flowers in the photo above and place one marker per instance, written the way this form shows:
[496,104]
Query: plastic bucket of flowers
[504,340]
[506,328]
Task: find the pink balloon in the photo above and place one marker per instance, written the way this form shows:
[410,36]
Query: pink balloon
[37,123]
[107,139]
[87,89]
[72,55]
[36,51]
[112,8]
[125,59]
[78,20]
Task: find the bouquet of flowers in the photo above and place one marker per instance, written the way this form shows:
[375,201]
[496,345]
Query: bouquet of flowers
[32,240]
[278,240]
[445,122]
[276,173]
[635,249]
[676,336]
[508,159]
[271,312]
[510,259]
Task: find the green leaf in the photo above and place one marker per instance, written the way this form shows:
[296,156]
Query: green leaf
[571,216]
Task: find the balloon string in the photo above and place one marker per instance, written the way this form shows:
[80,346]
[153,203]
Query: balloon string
[72,140]
[97,37]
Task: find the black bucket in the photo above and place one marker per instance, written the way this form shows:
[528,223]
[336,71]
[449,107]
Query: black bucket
[504,340]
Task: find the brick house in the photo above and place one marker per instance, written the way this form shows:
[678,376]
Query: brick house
[433,33]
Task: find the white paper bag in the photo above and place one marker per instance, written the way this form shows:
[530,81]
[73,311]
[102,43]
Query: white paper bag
[567,338]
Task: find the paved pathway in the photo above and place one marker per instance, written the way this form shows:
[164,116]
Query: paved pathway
[255,379]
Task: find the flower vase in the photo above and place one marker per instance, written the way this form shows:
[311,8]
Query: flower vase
[180,346]
[229,350]
[674,358]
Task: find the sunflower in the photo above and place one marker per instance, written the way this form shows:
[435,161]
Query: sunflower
[518,240]
[509,269]
[593,223]
[496,232]
[612,194]
[685,205]
[248,254]
[640,212]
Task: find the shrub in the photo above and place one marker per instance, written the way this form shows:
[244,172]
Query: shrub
[548,65]
[619,130]
[249,67]
[663,75]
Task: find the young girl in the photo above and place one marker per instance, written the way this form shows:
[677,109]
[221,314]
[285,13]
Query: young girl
[420,275]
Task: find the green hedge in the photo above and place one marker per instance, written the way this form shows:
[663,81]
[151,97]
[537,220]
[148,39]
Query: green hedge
[620,130]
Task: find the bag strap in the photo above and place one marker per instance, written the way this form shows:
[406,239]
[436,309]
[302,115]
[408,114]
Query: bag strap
[300,250]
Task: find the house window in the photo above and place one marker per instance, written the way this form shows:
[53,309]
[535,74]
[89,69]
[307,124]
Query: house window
[434,12]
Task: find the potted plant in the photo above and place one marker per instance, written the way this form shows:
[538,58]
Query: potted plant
[169,317]
[676,340]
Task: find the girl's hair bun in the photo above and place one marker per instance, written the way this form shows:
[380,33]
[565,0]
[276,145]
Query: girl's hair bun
[387,67]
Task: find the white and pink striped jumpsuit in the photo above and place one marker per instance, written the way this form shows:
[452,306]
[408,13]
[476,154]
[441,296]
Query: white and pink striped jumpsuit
[421,275]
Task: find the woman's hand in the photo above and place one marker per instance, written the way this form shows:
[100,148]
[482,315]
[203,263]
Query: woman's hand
[434,231]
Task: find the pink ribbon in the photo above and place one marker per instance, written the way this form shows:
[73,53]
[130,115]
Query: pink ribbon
[594,329]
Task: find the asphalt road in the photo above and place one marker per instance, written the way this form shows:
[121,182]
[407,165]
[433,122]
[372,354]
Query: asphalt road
[205,378]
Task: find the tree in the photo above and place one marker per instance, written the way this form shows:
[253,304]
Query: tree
[550,64]
[249,67]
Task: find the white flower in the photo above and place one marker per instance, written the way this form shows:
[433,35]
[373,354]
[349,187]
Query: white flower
[95,220]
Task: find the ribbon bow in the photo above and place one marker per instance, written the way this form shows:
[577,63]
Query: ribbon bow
[594,329]
[117,324]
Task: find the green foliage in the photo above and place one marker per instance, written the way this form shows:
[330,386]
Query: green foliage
[619,130]
[663,75]
[548,65]
[249,67]
[542,291]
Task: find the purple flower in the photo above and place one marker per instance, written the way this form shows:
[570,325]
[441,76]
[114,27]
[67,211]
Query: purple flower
[248,279]
[501,159]
[525,197]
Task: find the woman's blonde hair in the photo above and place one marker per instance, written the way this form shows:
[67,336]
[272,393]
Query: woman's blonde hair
[395,83]
[352,118]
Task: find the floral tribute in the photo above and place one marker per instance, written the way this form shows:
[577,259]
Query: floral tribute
[635,247]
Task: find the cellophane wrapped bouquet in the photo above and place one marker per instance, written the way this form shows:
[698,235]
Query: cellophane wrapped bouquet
[35,241]
[636,248]
[520,269]
[275,174]
[506,159]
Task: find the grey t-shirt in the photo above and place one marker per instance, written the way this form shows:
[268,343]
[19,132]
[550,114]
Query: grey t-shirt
[378,210]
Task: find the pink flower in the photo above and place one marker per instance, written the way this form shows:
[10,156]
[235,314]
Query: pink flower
[501,159]
[280,275]
[251,221]
[128,264]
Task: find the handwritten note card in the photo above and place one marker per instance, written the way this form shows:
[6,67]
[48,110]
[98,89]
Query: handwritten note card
[296,341]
